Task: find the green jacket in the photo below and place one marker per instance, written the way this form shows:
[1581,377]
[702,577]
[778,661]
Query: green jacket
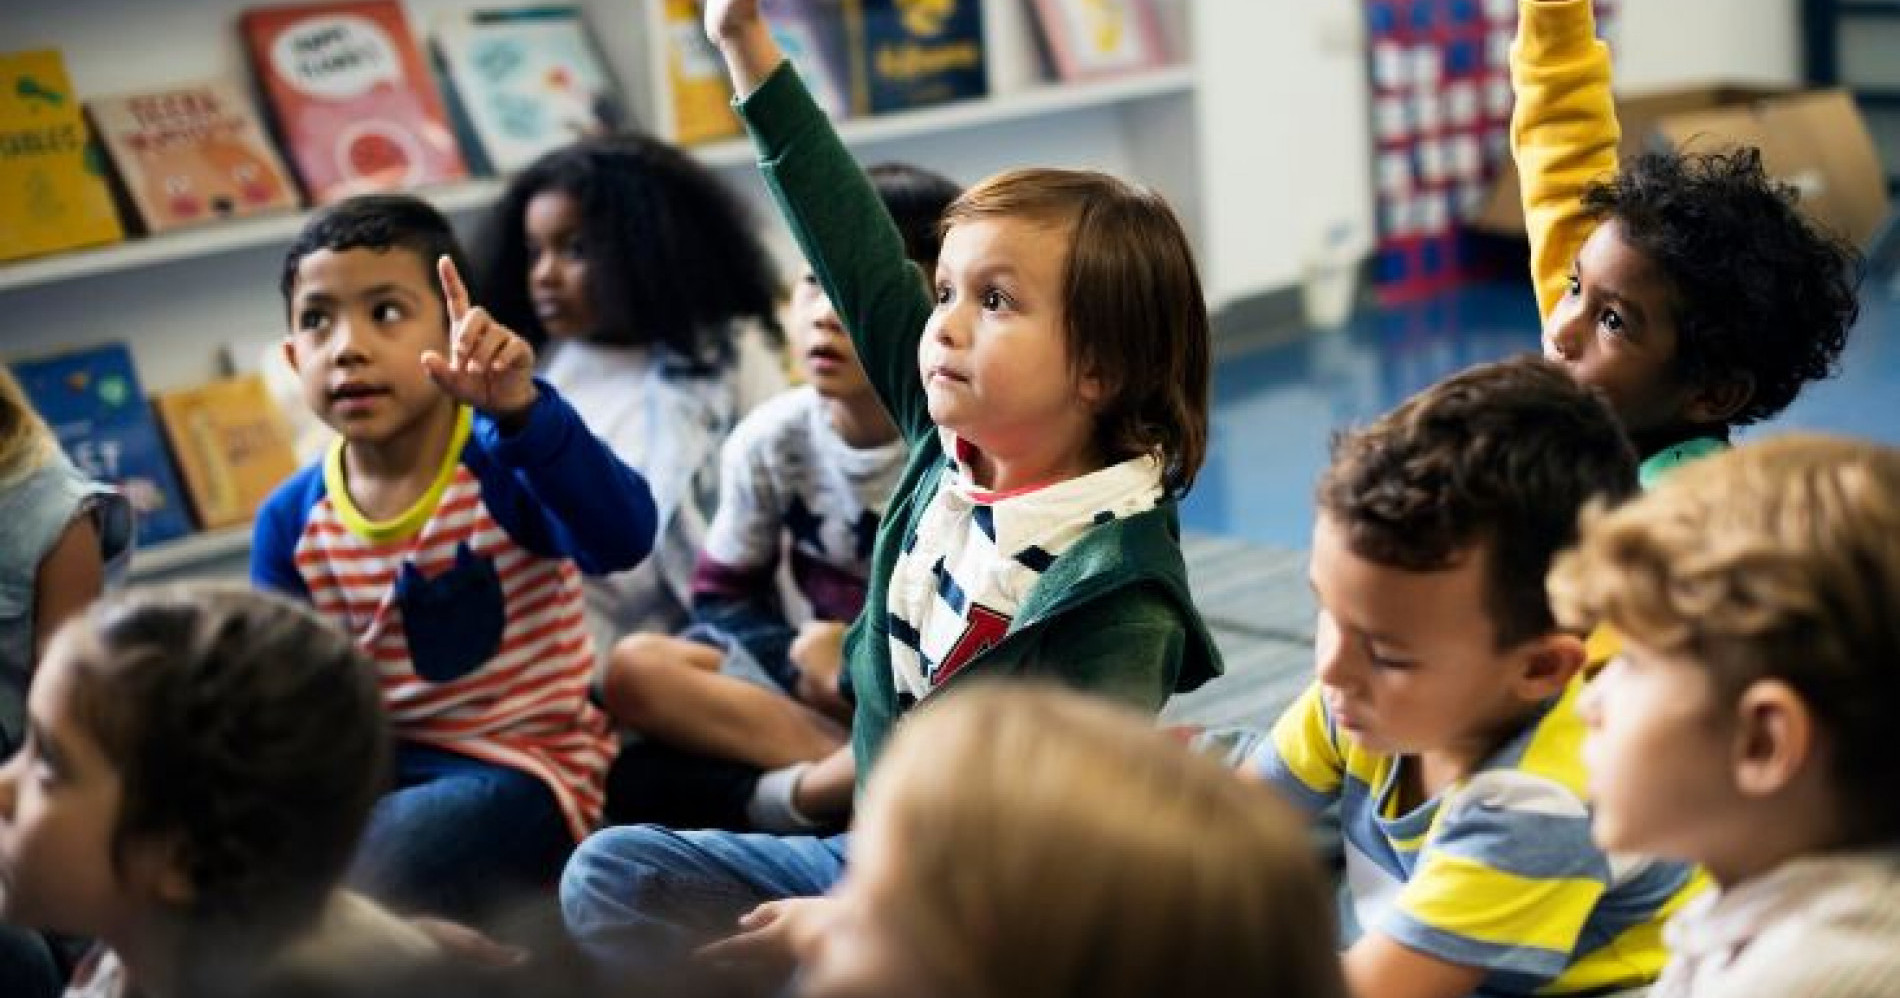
[1111,615]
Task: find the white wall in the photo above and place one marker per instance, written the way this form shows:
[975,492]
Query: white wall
[1283,108]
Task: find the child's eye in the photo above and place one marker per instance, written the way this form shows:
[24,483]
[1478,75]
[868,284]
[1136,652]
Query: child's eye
[312,321]
[1385,658]
[810,279]
[388,311]
[943,294]
[1612,321]
[1573,285]
[573,251]
[994,300]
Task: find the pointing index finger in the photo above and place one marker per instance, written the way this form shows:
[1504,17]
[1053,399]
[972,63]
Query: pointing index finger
[454,292]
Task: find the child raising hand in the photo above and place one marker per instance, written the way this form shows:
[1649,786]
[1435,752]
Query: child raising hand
[1051,385]
[446,529]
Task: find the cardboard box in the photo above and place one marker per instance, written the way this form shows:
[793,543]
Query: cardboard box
[1814,140]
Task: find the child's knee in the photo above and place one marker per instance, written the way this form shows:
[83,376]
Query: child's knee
[634,673]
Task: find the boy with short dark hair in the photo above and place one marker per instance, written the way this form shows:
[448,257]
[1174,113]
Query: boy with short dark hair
[446,529]
[1442,721]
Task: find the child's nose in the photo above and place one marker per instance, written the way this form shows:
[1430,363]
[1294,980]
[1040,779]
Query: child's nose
[1564,337]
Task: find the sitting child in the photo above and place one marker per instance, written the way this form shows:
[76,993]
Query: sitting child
[446,529]
[1052,394]
[197,767]
[1688,287]
[640,279]
[1117,864]
[63,531]
[1442,723]
[809,471]
[1744,726]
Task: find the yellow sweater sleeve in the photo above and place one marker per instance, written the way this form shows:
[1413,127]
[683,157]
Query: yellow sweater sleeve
[1563,132]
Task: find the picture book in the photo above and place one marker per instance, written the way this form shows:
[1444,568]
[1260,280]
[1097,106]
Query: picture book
[351,97]
[813,36]
[1092,39]
[53,192]
[231,444]
[92,401]
[689,79]
[522,81]
[914,53]
[190,154]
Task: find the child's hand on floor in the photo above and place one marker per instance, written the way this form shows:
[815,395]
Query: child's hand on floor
[488,366]
[772,936]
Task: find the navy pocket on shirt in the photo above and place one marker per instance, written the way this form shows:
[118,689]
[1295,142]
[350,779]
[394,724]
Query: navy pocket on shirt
[454,621]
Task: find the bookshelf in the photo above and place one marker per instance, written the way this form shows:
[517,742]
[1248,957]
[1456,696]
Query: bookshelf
[277,230]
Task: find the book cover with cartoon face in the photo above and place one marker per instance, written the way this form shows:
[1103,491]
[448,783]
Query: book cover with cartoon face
[191,154]
[353,98]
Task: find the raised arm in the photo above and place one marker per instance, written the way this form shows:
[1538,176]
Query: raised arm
[1563,132]
[833,211]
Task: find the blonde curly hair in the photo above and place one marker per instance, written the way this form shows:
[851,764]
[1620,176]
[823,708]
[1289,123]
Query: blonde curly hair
[1777,560]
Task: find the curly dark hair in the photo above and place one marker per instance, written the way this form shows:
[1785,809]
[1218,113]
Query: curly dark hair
[1506,454]
[247,727]
[671,250]
[1759,291]
[380,222]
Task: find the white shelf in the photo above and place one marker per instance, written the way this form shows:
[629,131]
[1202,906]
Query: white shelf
[207,240]
[190,551]
[276,229]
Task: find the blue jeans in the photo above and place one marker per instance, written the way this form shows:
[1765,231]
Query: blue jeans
[459,837]
[638,900]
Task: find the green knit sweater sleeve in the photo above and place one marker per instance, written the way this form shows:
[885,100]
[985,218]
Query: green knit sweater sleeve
[848,238]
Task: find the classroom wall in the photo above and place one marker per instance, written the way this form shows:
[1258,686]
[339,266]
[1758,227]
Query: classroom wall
[1274,143]
[1283,109]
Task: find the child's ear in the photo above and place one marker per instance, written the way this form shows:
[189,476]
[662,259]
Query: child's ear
[1720,399]
[1549,663]
[290,353]
[159,863]
[1774,737]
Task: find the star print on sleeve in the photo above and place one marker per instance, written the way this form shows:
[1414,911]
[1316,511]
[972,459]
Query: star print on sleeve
[806,526]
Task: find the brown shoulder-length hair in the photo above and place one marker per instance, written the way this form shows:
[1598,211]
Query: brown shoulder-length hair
[1133,310]
[1056,845]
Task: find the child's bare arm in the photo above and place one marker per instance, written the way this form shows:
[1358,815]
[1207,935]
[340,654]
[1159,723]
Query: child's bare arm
[1563,132]
[1377,966]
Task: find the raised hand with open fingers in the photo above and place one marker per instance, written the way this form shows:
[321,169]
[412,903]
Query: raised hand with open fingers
[488,366]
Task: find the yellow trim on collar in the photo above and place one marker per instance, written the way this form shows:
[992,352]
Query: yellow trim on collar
[409,522]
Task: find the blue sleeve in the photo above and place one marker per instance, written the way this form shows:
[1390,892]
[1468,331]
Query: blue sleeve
[277,529]
[847,235]
[560,492]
